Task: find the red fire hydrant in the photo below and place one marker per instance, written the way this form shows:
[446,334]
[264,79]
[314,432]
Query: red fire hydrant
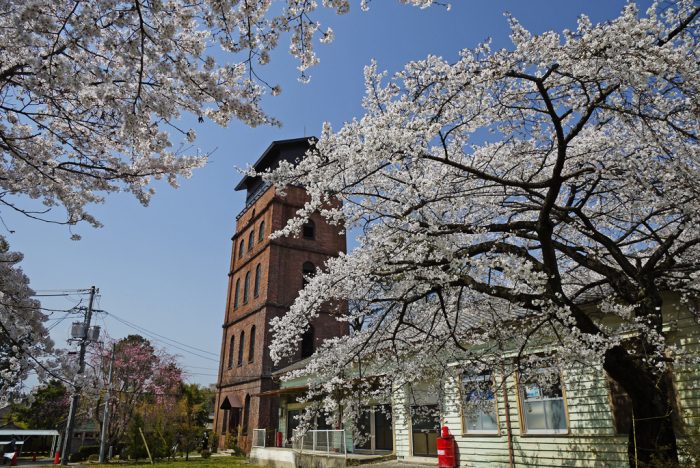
[446,449]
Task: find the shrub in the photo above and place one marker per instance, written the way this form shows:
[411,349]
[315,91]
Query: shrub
[205,453]
[84,452]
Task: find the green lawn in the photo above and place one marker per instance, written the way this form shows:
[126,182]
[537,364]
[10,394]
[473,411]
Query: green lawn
[216,462]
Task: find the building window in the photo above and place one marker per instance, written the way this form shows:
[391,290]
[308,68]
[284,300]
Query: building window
[231,351]
[307,343]
[246,287]
[621,406]
[246,414]
[251,240]
[241,246]
[308,270]
[241,347]
[256,285]
[542,403]
[479,404]
[308,230]
[261,232]
[236,293]
[251,345]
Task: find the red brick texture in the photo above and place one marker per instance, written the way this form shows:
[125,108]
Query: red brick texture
[281,262]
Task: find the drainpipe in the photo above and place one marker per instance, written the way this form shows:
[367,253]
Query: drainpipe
[509,429]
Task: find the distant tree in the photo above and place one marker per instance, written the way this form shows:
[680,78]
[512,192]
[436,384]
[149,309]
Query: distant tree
[45,408]
[193,409]
[142,375]
[497,195]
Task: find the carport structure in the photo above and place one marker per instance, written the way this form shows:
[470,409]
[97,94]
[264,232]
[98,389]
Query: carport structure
[21,436]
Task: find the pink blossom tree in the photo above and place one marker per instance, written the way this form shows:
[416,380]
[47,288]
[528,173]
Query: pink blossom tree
[142,375]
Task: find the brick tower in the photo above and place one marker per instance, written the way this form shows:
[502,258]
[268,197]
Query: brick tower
[264,279]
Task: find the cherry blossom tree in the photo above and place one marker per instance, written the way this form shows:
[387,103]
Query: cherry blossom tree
[143,377]
[500,196]
[24,341]
[92,96]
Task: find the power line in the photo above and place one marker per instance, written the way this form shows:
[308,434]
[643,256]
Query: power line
[131,324]
[166,340]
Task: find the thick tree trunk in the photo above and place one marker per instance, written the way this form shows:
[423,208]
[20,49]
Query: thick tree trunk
[652,440]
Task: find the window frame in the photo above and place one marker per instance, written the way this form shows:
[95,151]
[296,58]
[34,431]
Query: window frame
[251,345]
[241,248]
[256,281]
[261,231]
[522,413]
[241,348]
[465,428]
[246,288]
[236,294]
[306,271]
[251,240]
[308,338]
[312,225]
[231,351]
[615,392]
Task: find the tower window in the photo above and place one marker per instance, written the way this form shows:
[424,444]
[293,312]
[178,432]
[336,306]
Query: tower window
[308,230]
[231,350]
[251,240]
[256,286]
[261,232]
[246,287]
[307,343]
[236,293]
[241,246]
[241,347]
[308,270]
[251,345]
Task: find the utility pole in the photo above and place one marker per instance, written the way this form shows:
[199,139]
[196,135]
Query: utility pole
[75,398]
[105,418]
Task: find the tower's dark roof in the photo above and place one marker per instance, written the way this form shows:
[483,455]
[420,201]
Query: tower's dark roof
[272,155]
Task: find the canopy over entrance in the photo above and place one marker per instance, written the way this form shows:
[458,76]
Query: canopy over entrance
[233,402]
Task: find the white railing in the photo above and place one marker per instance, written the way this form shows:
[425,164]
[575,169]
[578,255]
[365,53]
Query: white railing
[259,438]
[326,440]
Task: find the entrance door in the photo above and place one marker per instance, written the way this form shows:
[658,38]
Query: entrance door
[425,425]
[375,426]
[383,435]
[292,423]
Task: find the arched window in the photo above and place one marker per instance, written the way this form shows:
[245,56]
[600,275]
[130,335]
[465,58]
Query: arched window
[251,240]
[261,232]
[307,343]
[251,345]
[236,293]
[256,286]
[246,414]
[241,347]
[307,270]
[231,350]
[240,249]
[308,230]
[246,287]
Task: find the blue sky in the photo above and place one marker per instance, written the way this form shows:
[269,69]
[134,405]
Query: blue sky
[164,267]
